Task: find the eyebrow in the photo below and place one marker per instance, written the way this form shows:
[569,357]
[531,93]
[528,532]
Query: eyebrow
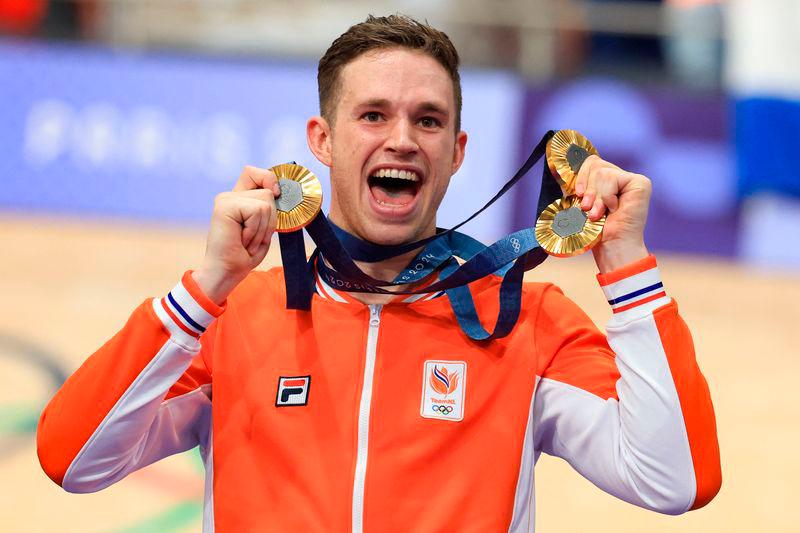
[427,107]
[432,107]
[375,102]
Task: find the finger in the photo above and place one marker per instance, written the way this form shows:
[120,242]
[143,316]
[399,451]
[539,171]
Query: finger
[267,205]
[601,179]
[260,252]
[593,176]
[607,187]
[263,228]
[629,180]
[583,174]
[588,199]
[611,202]
[246,211]
[238,206]
[597,211]
[254,240]
[250,220]
[257,178]
[271,226]
[590,192]
[262,195]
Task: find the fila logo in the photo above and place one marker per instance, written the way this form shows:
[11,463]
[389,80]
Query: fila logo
[443,386]
[292,391]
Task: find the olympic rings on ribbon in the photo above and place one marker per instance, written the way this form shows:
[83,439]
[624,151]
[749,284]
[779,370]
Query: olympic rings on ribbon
[443,409]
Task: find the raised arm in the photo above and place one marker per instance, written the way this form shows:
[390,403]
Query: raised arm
[634,417]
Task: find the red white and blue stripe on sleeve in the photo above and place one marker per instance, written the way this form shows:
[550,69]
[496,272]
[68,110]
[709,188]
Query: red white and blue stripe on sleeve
[636,287]
[186,309]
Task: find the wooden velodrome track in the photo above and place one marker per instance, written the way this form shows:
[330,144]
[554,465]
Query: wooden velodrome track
[69,285]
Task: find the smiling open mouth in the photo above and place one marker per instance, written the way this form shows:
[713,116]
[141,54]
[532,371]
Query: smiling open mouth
[394,188]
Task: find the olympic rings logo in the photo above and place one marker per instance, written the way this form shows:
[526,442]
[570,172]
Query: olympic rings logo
[443,409]
[515,244]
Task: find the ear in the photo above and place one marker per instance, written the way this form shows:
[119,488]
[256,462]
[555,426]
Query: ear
[318,136]
[458,150]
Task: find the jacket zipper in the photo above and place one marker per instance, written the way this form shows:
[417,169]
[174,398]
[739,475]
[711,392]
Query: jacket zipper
[363,418]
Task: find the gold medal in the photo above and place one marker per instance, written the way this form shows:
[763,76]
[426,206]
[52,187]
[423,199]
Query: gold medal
[563,228]
[565,152]
[301,196]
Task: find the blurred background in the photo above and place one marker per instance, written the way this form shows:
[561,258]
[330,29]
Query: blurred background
[121,119]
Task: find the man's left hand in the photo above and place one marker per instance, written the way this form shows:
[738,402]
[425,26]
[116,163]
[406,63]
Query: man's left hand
[604,188]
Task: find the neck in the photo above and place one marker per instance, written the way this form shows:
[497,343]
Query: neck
[387,269]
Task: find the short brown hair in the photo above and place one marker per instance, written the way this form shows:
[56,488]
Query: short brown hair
[384,32]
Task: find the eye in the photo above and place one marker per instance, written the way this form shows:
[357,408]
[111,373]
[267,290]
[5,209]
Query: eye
[429,122]
[371,116]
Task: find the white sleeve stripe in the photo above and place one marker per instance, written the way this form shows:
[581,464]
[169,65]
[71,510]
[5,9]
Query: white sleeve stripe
[178,315]
[190,305]
[637,296]
[638,311]
[120,442]
[176,333]
[623,287]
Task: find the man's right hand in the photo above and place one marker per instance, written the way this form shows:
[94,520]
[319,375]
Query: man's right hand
[241,229]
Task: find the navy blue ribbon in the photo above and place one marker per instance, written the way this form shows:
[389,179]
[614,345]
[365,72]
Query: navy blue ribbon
[509,257]
[487,261]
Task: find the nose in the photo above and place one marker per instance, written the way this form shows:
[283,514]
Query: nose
[401,138]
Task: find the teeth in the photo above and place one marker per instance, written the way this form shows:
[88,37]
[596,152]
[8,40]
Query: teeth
[409,175]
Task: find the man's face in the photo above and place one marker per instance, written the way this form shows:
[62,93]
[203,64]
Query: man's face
[392,146]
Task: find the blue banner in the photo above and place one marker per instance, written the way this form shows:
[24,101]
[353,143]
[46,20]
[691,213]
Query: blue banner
[89,130]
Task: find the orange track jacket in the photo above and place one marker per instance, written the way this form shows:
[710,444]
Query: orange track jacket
[388,418]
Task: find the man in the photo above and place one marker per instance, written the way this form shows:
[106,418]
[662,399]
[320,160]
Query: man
[385,416]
